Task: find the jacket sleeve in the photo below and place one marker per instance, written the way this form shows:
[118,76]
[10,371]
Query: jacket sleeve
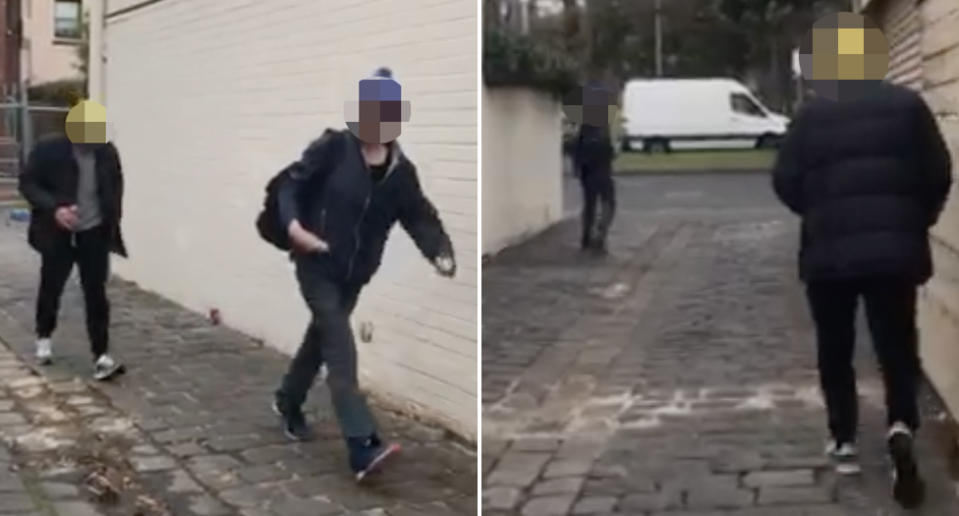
[936,163]
[315,160]
[788,170]
[31,185]
[119,192]
[421,221]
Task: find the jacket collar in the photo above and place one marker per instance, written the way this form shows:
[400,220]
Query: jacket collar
[396,153]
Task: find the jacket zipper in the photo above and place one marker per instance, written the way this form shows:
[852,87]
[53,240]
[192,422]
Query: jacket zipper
[356,235]
[366,205]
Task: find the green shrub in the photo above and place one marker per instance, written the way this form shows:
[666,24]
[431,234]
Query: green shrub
[515,60]
[58,93]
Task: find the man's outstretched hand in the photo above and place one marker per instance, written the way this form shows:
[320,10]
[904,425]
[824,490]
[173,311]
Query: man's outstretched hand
[445,265]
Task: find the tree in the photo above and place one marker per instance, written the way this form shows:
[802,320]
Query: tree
[82,64]
[776,26]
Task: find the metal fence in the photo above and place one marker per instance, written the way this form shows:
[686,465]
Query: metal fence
[21,125]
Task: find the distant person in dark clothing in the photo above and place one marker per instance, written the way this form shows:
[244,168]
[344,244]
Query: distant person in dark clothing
[866,168]
[346,193]
[74,185]
[593,163]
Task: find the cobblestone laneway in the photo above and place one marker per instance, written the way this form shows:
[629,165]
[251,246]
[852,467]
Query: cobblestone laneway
[188,431]
[677,376]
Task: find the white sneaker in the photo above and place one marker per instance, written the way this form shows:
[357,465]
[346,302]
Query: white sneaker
[845,457]
[44,351]
[106,367]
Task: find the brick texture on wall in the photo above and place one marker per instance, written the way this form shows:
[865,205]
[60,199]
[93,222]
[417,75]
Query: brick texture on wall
[939,305]
[209,99]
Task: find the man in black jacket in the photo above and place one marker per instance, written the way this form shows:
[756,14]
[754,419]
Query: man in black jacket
[593,161]
[344,196]
[866,168]
[74,185]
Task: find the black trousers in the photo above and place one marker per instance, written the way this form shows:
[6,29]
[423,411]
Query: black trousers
[90,251]
[891,313]
[328,339]
[598,188]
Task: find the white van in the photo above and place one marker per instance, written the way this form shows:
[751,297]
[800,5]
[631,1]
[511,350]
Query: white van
[657,112]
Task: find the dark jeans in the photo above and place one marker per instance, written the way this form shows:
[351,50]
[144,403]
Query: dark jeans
[90,250]
[891,313]
[598,188]
[328,339]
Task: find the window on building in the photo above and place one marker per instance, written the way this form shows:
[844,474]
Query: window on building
[744,105]
[67,19]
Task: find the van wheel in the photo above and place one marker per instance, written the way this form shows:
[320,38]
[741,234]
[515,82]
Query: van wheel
[656,145]
[768,141]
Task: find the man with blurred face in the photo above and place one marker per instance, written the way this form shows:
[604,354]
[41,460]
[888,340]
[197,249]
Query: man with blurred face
[593,160]
[342,198]
[866,168]
[74,185]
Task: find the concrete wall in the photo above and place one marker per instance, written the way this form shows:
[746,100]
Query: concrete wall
[522,165]
[47,58]
[939,303]
[232,91]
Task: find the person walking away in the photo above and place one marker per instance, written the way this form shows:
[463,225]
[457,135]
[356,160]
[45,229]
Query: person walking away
[868,173]
[74,185]
[593,158]
[338,206]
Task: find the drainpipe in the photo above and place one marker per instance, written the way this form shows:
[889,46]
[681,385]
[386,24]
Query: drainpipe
[95,89]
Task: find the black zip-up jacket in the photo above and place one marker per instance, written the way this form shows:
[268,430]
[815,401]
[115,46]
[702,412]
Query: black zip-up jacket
[593,149]
[868,177]
[333,195]
[49,181]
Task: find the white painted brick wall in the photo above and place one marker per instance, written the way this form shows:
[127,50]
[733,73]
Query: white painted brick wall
[522,165]
[210,98]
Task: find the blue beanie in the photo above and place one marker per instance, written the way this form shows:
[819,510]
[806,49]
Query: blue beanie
[381,87]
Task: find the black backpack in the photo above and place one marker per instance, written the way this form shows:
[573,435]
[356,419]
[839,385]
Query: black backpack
[268,221]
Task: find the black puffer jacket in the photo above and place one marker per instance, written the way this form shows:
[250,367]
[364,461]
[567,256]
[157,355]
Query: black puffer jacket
[333,195]
[868,177]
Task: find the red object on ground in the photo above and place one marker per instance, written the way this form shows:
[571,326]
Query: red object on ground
[215,316]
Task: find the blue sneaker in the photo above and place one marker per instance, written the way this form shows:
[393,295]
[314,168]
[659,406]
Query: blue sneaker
[366,455]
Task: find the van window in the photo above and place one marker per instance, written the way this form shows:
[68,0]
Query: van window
[745,105]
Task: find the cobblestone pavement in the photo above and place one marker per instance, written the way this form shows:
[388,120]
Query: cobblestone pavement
[677,375]
[188,430]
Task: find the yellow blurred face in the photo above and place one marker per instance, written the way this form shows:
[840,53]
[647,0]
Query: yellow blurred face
[87,123]
[844,56]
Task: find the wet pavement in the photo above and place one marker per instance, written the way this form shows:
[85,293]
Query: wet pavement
[676,376]
[188,431]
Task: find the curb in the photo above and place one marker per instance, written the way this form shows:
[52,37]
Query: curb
[693,172]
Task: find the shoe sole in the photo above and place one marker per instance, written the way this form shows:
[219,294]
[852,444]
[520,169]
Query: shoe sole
[286,431]
[908,488]
[848,469]
[390,450]
[109,375]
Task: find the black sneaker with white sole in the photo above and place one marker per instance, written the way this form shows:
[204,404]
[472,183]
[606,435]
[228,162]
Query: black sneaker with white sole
[907,486]
[294,422]
[106,368]
[845,458]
